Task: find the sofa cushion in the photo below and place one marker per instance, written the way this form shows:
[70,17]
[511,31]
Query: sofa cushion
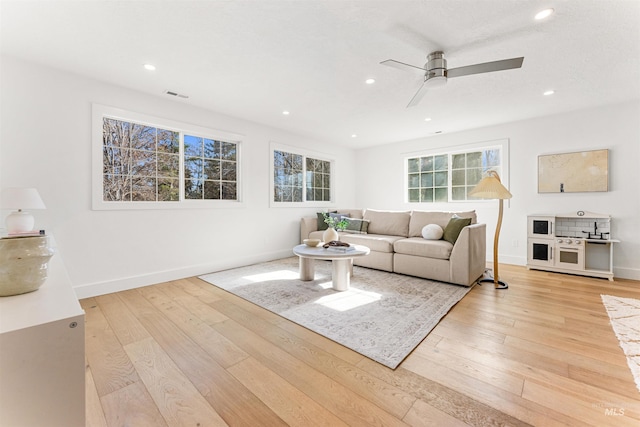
[421,218]
[438,249]
[454,227]
[432,232]
[392,223]
[357,226]
[351,213]
[375,242]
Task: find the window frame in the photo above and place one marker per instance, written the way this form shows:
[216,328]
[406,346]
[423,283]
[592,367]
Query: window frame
[99,112]
[502,144]
[305,153]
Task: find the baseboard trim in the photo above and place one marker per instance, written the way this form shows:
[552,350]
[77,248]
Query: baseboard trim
[125,283]
[626,273]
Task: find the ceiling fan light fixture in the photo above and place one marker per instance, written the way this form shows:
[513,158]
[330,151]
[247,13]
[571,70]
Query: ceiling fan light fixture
[543,14]
[435,81]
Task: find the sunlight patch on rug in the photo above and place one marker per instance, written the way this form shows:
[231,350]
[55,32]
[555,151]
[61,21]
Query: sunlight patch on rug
[624,315]
[349,299]
[383,315]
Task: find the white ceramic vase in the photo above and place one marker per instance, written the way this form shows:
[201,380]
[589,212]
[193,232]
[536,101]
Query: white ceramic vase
[329,235]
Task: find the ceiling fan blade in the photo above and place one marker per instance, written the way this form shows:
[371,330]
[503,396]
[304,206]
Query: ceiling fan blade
[486,67]
[400,65]
[418,96]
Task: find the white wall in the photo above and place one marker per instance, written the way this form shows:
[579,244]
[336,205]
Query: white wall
[45,142]
[616,127]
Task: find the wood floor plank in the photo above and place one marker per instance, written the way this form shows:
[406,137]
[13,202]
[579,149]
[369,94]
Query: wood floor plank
[131,406]
[175,396]
[223,351]
[123,323]
[110,365]
[225,393]
[342,402]
[201,309]
[424,415]
[292,405]
[94,412]
[389,398]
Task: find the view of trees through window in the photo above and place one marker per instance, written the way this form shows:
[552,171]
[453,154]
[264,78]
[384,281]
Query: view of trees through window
[142,163]
[288,183]
[449,177]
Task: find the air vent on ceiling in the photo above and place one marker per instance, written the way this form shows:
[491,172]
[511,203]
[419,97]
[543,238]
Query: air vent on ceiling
[179,95]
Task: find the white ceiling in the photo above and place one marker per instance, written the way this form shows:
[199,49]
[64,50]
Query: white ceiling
[254,59]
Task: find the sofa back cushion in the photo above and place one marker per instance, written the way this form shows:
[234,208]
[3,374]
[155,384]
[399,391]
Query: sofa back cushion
[392,223]
[421,218]
[351,213]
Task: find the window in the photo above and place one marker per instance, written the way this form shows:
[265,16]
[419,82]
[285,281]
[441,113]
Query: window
[210,169]
[145,162]
[447,177]
[300,178]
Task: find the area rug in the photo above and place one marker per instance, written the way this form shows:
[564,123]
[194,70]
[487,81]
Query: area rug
[383,316]
[624,315]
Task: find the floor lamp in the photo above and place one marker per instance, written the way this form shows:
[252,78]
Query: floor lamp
[490,187]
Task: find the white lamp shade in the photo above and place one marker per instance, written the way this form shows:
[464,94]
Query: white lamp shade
[20,199]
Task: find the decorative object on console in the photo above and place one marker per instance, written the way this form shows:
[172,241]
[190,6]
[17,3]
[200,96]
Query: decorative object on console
[21,221]
[23,264]
[490,187]
[432,232]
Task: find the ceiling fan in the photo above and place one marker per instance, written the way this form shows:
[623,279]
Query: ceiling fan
[436,72]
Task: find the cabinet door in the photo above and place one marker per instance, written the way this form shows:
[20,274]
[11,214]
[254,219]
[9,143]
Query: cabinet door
[42,372]
[540,252]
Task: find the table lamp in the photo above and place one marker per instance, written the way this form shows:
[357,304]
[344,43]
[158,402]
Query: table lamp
[490,187]
[20,221]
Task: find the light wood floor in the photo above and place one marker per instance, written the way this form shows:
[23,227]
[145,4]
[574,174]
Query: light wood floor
[186,353]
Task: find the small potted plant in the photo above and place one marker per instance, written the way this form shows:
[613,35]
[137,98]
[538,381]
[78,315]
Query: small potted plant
[335,225]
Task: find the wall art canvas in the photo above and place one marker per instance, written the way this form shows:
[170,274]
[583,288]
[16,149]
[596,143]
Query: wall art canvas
[577,172]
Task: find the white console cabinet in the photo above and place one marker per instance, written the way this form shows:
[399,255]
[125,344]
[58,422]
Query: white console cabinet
[575,243]
[42,365]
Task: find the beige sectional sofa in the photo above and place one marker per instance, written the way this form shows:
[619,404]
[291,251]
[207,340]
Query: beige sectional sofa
[397,245]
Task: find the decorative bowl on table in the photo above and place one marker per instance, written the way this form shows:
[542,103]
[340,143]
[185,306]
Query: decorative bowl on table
[311,242]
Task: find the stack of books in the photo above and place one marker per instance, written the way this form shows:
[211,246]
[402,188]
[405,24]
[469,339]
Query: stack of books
[32,233]
[341,249]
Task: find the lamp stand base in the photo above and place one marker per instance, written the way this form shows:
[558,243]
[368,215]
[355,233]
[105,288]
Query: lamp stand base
[499,284]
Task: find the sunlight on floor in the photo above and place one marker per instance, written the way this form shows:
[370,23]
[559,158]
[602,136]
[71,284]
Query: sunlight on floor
[274,275]
[347,300]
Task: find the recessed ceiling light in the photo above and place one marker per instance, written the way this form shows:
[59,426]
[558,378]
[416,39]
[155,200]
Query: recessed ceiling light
[549,92]
[428,119]
[370,81]
[543,14]
[149,67]
[285,112]
[354,135]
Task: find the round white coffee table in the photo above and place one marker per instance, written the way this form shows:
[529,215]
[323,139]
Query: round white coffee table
[341,263]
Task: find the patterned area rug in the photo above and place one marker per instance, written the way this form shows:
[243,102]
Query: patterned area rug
[383,316]
[624,314]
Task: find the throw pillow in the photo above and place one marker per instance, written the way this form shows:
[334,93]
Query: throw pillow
[321,224]
[453,229]
[432,232]
[338,216]
[357,226]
